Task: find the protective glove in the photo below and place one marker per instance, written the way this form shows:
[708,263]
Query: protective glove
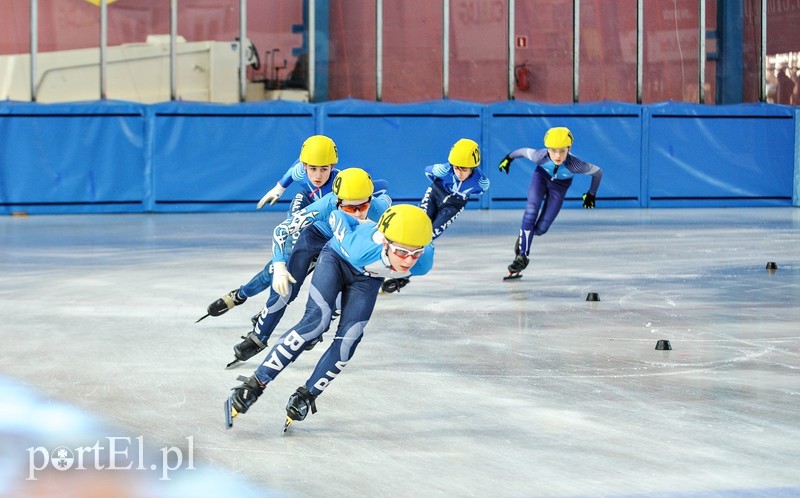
[588,200]
[281,278]
[272,196]
[505,164]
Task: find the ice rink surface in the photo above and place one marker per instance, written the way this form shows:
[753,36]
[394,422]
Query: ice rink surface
[464,385]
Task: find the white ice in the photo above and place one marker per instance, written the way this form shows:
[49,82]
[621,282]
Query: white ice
[464,385]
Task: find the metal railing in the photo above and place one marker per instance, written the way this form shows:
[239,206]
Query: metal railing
[34,17]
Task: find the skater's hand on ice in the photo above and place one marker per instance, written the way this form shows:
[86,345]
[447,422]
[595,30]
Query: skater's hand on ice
[281,278]
[505,164]
[588,200]
[272,196]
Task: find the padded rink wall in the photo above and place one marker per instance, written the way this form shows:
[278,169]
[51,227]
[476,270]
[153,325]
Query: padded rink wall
[122,157]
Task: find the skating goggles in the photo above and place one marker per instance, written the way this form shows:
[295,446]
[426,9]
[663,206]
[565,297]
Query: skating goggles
[353,208]
[404,253]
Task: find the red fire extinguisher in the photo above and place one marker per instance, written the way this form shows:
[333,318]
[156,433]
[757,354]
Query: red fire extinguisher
[522,76]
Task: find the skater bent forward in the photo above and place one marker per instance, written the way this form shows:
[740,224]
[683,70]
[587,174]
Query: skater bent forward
[555,169]
[354,262]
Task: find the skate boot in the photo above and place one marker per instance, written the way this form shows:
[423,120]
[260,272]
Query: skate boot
[249,347]
[520,263]
[394,284]
[223,304]
[298,406]
[244,396]
[312,343]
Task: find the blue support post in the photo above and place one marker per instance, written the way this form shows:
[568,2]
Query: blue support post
[796,189]
[321,44]
[322,53]
[730,25]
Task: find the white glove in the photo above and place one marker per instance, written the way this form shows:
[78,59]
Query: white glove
[281,278]
[272,196]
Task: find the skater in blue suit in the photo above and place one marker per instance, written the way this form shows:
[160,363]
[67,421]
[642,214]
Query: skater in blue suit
[315,171]
[352,194]
[353,263]
[452,185]
[555,169]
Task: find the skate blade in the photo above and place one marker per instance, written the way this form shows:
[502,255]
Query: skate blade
[202,317]
[289,422]
[513,276]
[230,413]
[234,362]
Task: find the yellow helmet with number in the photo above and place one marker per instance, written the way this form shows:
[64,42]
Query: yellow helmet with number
[558,138]
[319,150]
[352,184]
[465,154]
[406,224]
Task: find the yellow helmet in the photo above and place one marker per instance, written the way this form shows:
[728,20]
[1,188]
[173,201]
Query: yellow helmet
[465,154]
[558,138]
[406,224]
[319,150]
[352,184]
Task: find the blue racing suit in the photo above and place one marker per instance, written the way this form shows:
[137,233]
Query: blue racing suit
[354,263]
[446,197]
[308,191]
[315,231]
[308,194]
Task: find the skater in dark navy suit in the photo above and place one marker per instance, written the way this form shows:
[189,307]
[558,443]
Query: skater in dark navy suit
[555,169]
[354,263]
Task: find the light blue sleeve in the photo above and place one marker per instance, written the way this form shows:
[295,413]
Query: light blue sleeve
[538,156]
[296,172]
[483,181]
[578,166]
[381,186]
[341,224]
[439,170]
[425,262]
[317,210]
[378,206]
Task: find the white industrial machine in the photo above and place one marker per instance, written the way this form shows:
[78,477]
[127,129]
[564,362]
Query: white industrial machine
[207,71]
